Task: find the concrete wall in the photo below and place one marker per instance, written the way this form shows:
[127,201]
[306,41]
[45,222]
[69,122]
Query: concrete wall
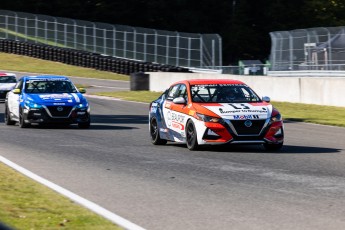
[309,90]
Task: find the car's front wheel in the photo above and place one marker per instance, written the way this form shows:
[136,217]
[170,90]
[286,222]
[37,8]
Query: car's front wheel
[191,135]
[154,133]
[273,147]
[8,120]
[22,123]
[84,125]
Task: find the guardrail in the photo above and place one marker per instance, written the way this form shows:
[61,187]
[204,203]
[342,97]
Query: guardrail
[136,43]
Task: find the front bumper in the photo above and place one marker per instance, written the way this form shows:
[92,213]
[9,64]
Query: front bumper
[51,114]
[235,132]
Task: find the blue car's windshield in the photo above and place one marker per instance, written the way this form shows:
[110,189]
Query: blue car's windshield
[223,93]
[49,86]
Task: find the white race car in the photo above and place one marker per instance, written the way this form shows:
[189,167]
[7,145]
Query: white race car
[7,83]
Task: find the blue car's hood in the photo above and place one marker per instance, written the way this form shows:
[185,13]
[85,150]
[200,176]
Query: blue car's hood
[58,99]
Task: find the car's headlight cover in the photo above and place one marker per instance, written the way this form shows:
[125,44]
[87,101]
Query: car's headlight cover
[276,116]
[32,104]
[83,105]
[206,118]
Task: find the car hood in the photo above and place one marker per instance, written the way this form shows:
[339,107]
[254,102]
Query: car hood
[57,99]
[7,86]
[241,111]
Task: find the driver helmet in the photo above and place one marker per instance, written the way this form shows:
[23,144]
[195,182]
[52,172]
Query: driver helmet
[230,93]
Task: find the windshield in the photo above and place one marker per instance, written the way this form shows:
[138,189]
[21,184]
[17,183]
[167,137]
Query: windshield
[49,86]
[8,79]
[223,93]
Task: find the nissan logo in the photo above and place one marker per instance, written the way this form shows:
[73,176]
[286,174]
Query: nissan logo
[248,123]
[60,108]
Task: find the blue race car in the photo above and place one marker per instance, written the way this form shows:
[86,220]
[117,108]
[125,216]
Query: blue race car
[46,99]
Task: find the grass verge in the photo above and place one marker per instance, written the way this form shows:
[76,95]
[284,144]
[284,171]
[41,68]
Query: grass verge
[28,205]
[138,96]
[19,63]
[325,115]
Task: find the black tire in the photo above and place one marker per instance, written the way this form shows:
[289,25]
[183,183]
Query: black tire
[154,133]
[273,147]
[7,117]
[84,125]
[22,123]
[191,136]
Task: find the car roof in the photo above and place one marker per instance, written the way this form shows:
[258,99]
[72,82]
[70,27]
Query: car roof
[45,77]
[210,81]
[2,74]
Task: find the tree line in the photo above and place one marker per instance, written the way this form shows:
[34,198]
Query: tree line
[244,25]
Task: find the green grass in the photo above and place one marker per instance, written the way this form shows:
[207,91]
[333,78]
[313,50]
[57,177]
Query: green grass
[326,115]
[19,63]
[139,96]
[28,205]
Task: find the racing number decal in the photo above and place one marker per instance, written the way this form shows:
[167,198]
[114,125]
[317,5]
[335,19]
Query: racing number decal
[243,106]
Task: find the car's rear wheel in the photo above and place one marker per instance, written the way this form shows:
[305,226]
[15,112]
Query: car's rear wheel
[8,120]
[154,133]
[22,123]
[273,147]
[191,136]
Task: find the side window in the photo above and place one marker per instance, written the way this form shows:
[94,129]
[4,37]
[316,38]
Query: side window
[172,92]
[179,90]
[182,92]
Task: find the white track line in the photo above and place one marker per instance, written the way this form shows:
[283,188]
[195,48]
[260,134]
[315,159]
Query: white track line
[78,199]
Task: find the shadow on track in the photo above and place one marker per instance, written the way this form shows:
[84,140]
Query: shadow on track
[119,119]
[287,149]
[100,122]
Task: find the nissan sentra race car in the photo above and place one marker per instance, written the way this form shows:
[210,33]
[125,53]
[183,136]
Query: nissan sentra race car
[200,112]
[7,83]
[46,99]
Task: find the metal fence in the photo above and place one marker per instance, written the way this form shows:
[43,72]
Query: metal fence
[149,45]
[316,49]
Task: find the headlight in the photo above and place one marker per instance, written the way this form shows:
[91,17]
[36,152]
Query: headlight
[82,105]
[206,118]
[32,105]
[276,116]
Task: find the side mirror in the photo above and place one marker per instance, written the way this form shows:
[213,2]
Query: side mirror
[180,101]
[16,91]
[266,99]
[82,90]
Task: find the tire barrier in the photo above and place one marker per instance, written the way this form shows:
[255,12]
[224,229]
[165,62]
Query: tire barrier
[139,81]
[84,58]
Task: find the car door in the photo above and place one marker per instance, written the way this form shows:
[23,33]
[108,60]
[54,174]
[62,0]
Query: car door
[13,99]
[174,113]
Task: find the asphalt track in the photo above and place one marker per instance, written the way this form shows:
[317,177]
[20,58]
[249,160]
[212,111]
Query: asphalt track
[169,187]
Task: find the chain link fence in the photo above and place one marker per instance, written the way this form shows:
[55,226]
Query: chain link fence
[135,43]
[316,49]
